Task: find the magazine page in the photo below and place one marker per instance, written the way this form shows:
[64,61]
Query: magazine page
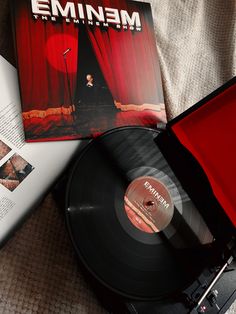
[86,67]
[26,170]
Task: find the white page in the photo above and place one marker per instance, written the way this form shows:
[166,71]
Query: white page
[27,170]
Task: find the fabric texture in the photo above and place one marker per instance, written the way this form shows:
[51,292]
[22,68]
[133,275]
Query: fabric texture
[38,269]
[196,45]
[197,48]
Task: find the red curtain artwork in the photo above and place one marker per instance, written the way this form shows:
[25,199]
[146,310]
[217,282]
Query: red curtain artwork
[42,68]
[128,60]
[51,53]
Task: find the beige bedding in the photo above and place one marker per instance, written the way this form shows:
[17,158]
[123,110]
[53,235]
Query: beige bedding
[196,44]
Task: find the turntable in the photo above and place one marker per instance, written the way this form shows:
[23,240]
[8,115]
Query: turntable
[152,216]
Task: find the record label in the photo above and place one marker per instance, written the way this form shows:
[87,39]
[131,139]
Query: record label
[148,204]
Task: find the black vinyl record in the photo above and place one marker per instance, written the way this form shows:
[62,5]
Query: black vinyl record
[131,223]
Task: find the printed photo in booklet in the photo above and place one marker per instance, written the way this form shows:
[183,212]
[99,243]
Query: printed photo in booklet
[85,67]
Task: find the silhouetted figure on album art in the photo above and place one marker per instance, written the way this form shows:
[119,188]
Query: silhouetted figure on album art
[90,81]
[94,94]
[90,91]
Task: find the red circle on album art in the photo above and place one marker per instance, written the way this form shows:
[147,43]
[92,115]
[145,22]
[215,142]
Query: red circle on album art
[61,48]
[148,204]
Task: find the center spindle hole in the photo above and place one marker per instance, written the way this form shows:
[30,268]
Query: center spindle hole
[150,203]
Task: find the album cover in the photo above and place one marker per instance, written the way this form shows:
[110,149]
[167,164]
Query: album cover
[86,67]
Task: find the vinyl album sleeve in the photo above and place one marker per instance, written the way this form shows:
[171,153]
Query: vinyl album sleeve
[86,67]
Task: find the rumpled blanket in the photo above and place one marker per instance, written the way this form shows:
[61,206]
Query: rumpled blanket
[196,45]
[196,42]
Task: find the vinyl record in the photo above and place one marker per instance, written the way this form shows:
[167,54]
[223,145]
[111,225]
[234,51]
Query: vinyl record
[131,223]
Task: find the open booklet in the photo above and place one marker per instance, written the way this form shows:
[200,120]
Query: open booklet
[26,170]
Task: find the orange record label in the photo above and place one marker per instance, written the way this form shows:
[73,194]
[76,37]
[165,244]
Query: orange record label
[148,204]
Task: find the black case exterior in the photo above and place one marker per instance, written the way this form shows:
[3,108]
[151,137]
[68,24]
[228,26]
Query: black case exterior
[183,304]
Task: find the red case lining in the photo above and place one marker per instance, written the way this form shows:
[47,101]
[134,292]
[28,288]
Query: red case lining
[209,133]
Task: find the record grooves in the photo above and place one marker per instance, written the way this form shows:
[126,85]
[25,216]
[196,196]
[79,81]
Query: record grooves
[130,221]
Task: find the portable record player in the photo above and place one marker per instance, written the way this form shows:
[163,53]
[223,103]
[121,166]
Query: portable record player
[152,214]
[204,135]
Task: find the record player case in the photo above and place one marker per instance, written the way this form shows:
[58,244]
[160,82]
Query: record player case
[200,146]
